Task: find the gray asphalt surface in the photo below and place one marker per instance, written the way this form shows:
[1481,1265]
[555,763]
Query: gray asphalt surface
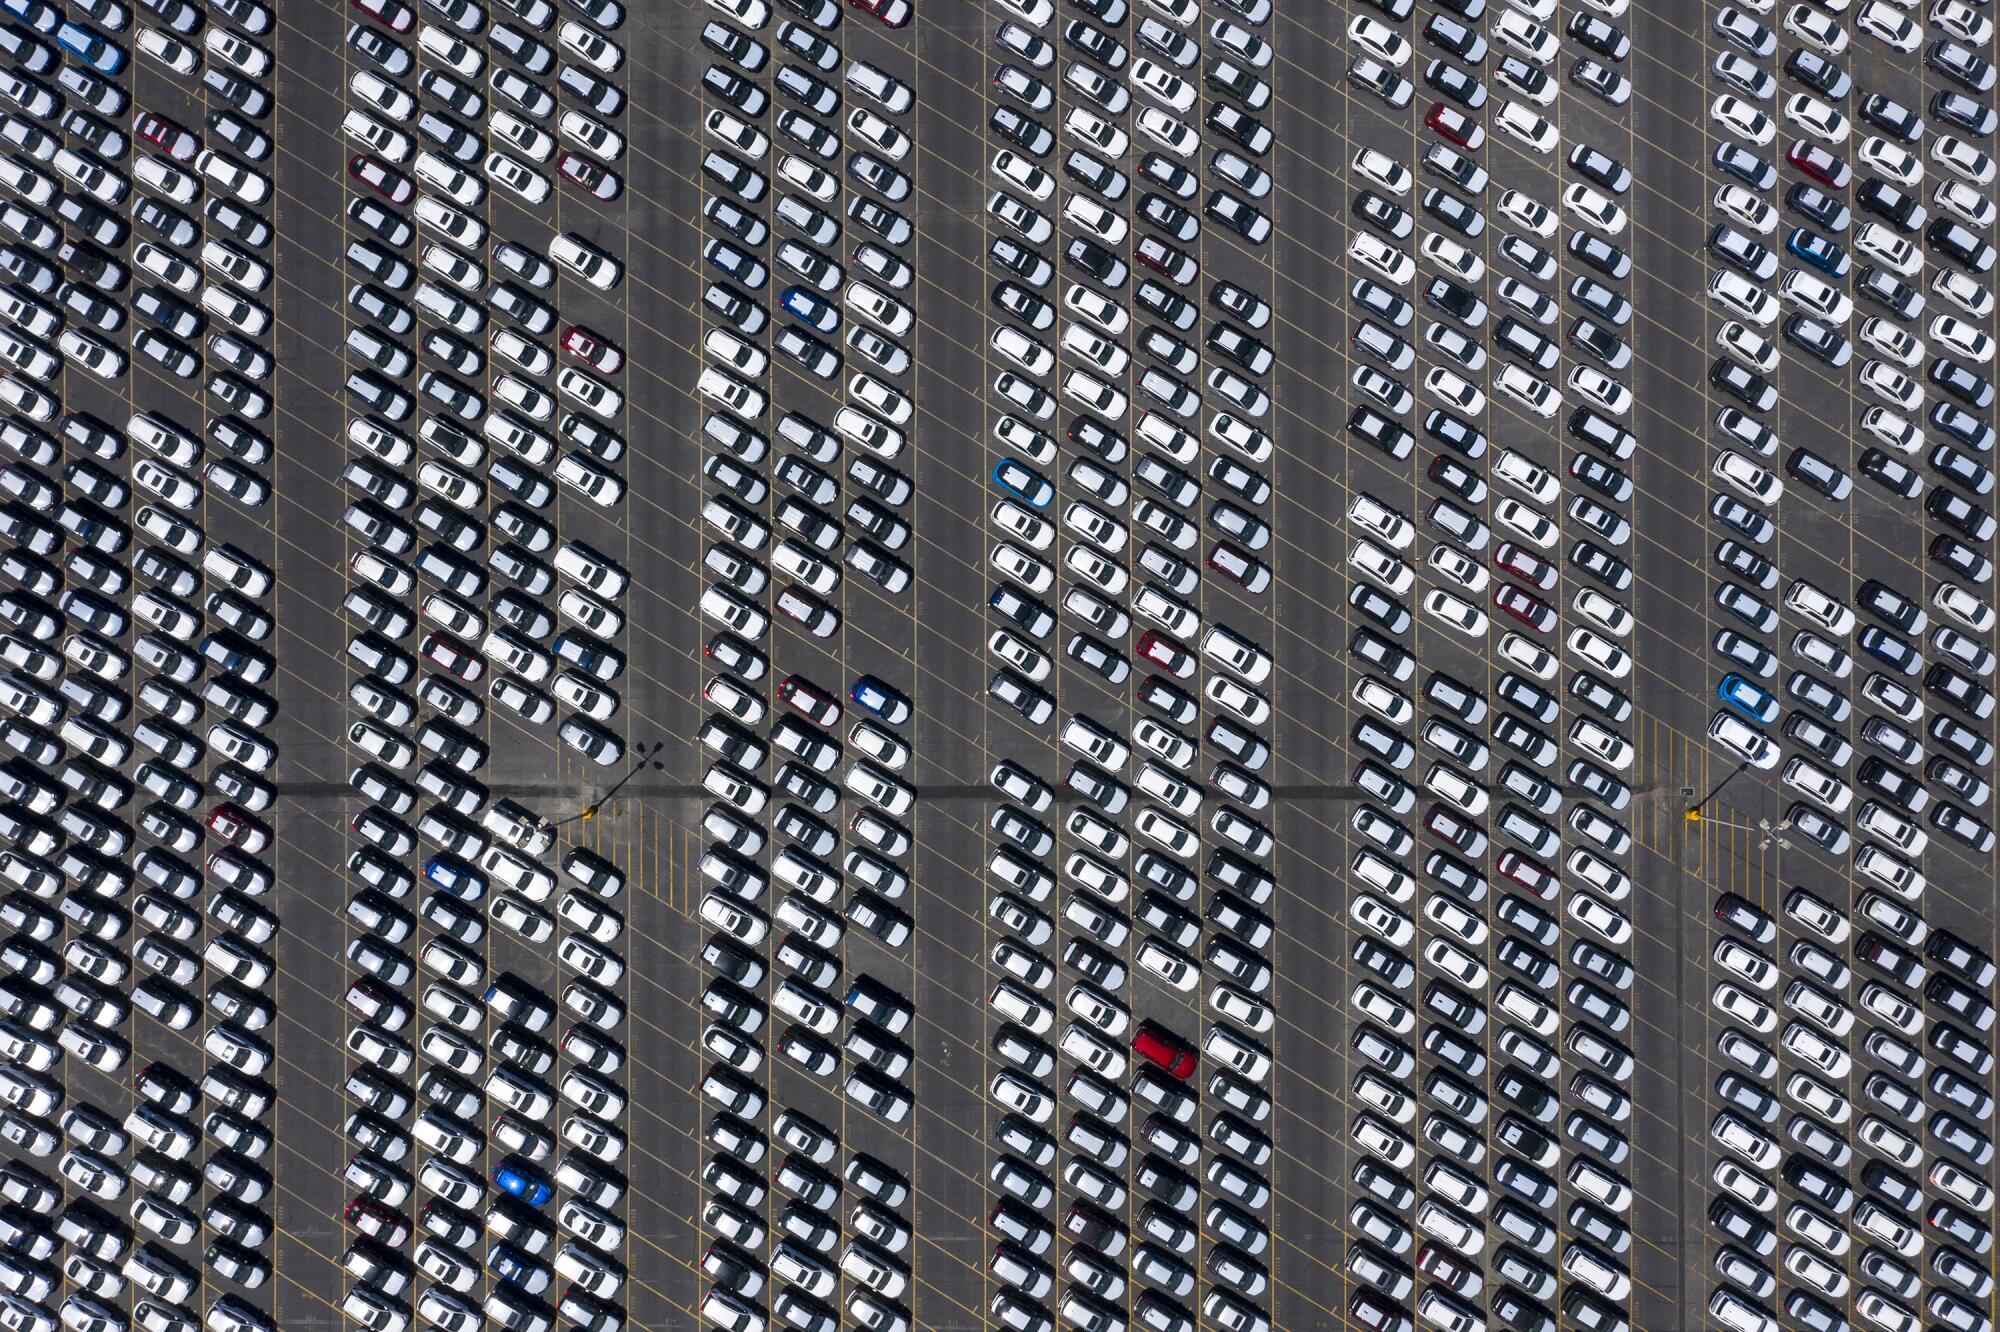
[930,643]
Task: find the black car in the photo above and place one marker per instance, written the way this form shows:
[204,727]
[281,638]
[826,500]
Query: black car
[1746,166]
[1600,254]
[1747,386]
[1607,171]
[1955,108]
[1816,205]
[1899,209]
[1891,473]
[1821,342]
[1889,291]
[1024,132]
[1601,37]
[1960,244]
[1961,65]
[1892,117]
[1818,73]
[1455,83]
[1974,390]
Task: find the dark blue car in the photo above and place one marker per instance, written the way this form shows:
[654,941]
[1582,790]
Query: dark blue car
[452,875]
[809,307]
[880,698]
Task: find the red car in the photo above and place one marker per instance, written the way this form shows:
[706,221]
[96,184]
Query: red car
[234,825]
[1820,164]
[1455,125]
[1164,1048]
[890,13]
[1525,607]
[810,700]
[1525,565]
[165,135]
[589,177]
[446,652]
[391,14]
[593,349]
[1163,651]
[382,178]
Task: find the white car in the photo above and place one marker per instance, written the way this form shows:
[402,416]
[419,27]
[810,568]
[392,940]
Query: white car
[1455,613]
[1962,21]
[1744,740]
[1529,391]
[1607,393]
[1753,349]
[1817,28]
[1743,120]
[1529,211]
[1448,254]
[175,56]
[1392,264]
[1962,159]
[1525,126]
[1747,208]
[1743,297]
[1751,1190]
[1600,651]
[1964,607]
[1892,160]
[1169,89]
[1383,170]
[1750,479]
[1961,290]
[1816,118]
[1961,338]
[1595,209]
[1888,25]
[1965,203]
[1525,35]
[1891,385]
[1379,40]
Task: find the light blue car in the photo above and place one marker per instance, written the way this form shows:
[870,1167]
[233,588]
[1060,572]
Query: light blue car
[91,48]
[1750,701]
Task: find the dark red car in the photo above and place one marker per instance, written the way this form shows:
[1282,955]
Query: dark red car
[809,700]
[1455,125]
[1525,607]
[1525,565]
[377,1222]
[586,175]
[1158,648]
[593,349]
[166,135]
[1820,164]
[1177,266]
[232,824]
[379,176]
[1448,827]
